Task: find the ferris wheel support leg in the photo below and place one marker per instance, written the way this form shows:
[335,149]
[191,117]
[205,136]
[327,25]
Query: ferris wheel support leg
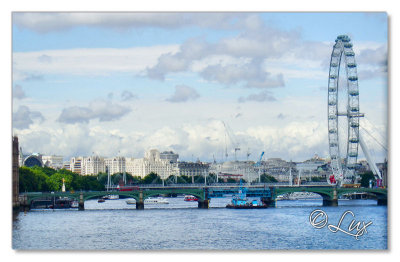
[371,163]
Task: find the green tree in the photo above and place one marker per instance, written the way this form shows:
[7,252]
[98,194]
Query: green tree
[212,178]
[187,179]
[183,180]
[365,177]
[54,182]
[44,170]
[231,180]
[135,180]
[198,179]
[102,178]
[117,178]
[88,183]
[151,178]
[268,179]
[27,180]
[317,179]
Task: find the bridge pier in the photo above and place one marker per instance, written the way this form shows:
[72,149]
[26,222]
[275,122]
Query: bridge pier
[326,202]
[382,201]
[81,204]
[203,203]
[24,205]
[329,202]
[140,203]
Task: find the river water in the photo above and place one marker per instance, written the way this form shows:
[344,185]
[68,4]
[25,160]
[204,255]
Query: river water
[115,225]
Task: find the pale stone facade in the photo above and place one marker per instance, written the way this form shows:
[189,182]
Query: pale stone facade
[115,164]
[53,161]
[151,163]
[93,165]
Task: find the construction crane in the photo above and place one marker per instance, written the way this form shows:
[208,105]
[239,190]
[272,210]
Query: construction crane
[235,144]
[248,154]
[258,165]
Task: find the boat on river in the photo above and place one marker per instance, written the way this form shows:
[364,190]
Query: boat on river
[190,198]
[150,200]
[111,197]
[62,203]
[156,200]
[240,201]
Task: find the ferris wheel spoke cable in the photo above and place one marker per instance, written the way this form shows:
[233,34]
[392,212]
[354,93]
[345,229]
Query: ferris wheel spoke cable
[376,140]
[374,128]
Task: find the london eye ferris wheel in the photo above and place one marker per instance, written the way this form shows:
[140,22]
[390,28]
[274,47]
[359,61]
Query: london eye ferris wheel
[343,112]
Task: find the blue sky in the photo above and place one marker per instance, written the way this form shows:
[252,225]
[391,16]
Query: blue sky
[128,82]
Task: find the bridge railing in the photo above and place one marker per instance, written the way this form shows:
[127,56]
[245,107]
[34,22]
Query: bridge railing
[202,185]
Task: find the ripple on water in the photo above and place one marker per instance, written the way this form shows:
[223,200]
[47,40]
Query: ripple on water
[181,225]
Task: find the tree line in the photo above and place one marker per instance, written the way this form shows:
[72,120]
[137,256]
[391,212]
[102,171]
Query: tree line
[46,179]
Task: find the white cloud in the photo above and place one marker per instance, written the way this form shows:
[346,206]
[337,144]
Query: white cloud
[44,22]
[98,109]
[23,118]
[295,140]
[251,75]
[93,61]
[260,97]
[127,96]
[18,92]
[183,93]
[47,22]
[195,140]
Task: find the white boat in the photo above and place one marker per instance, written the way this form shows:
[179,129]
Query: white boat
[150,200]
[74,204]
[131,201]
[156,200]
[112,197]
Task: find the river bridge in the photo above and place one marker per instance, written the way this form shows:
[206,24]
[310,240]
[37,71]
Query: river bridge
[268,193]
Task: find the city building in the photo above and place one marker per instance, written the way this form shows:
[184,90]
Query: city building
[314,167]
[93,165]
[67,165]
[236,170]
[276,166]
[193,169]
[170,156]
[34,159]
[55,162]
[76,165]
[152,162]
[115,165]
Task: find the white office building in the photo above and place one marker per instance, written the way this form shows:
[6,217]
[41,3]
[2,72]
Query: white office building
[115,164]
[170,156]
[93,165]
[152,162]
[236,170]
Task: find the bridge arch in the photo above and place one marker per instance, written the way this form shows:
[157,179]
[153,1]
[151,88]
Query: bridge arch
[379,193]
[200,195]
[325,193]
[91,195]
